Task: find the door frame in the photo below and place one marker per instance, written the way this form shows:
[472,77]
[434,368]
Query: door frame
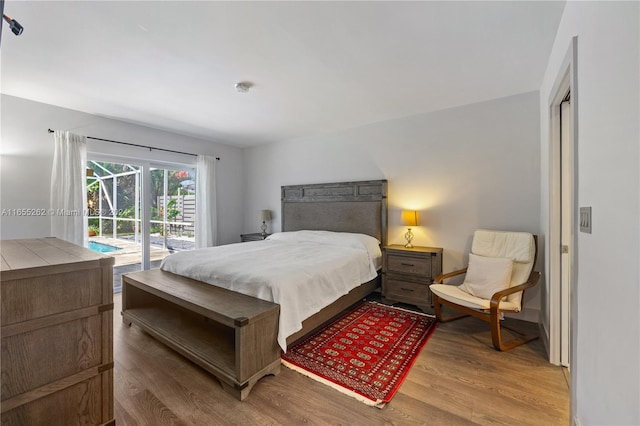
[145,254]
[566,81]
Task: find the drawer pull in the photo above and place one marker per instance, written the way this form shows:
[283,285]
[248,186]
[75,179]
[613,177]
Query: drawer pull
[407,264]
[406,289]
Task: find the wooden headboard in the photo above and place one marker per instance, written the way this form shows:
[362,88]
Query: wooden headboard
[341,207]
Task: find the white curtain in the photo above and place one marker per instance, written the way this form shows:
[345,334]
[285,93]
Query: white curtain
[206,218]
[68,188]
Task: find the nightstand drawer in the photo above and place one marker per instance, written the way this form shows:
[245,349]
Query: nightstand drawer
[252,237]
[409,265]
[407,291]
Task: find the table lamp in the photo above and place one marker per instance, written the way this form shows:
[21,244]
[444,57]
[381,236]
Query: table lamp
[409,218]
[265,216]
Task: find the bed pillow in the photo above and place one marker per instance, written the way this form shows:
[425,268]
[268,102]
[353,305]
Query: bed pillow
[289,236]
[487,275]
[345,239]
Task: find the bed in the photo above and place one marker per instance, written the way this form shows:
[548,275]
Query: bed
[241,334]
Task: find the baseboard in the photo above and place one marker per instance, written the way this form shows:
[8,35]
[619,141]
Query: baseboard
[544,336]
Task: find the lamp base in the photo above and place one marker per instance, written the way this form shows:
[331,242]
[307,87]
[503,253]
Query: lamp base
[264,229]
[408,236]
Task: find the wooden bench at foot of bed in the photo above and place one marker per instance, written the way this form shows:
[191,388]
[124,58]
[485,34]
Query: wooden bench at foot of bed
[231,335]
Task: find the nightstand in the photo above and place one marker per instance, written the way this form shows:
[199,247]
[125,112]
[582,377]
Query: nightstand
[252,237]
[407,273]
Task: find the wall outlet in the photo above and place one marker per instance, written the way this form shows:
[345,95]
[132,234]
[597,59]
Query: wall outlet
[585,219]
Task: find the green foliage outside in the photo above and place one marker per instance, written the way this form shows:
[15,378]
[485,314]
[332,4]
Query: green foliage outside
[126,196]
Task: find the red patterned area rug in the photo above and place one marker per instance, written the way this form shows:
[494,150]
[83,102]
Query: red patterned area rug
[366,353]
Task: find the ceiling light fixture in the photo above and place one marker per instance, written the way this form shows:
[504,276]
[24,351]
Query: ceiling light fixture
[243,86]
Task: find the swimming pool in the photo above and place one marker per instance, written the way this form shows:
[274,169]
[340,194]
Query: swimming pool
[102,248]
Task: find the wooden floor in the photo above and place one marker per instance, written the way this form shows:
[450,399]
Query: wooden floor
[458,379]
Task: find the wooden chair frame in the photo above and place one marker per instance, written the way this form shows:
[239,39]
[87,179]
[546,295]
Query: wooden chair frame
[493,314]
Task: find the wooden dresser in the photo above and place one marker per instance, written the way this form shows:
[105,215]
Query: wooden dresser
[57,334]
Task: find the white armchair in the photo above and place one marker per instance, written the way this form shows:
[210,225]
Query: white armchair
[500,269]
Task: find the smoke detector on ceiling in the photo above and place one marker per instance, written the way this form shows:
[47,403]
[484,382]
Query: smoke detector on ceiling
[243,86]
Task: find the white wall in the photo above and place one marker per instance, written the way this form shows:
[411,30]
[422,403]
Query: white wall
[27,155]
[605,369]
[475,166]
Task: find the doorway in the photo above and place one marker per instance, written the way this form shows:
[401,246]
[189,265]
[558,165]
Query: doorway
[563,215]
[566,226]
[139,212]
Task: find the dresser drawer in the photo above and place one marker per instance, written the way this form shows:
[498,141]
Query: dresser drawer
[409,265]
[76,404]
[48,354]
[43,296]
[405,291]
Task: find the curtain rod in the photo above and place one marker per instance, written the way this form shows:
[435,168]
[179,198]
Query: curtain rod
[140,146]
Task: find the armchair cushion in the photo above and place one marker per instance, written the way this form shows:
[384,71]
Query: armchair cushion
[514,245]
[487,275]
[455,295]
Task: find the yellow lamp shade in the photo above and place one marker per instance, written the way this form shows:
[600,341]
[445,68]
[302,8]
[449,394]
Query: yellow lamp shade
[265,215]
[409,218]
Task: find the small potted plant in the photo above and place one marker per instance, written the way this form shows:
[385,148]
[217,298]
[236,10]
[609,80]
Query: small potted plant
[93,230]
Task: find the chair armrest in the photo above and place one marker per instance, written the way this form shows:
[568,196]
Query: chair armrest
[534,277]
[440,278]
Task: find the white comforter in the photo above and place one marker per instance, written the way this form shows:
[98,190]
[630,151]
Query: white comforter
[301,276]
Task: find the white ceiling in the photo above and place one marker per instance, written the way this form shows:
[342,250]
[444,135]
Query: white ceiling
[316,66]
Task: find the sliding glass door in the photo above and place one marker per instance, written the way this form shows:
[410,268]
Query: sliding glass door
[139,212]
[172,209]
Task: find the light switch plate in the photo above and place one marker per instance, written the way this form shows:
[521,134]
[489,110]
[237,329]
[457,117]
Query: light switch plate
[585,219]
